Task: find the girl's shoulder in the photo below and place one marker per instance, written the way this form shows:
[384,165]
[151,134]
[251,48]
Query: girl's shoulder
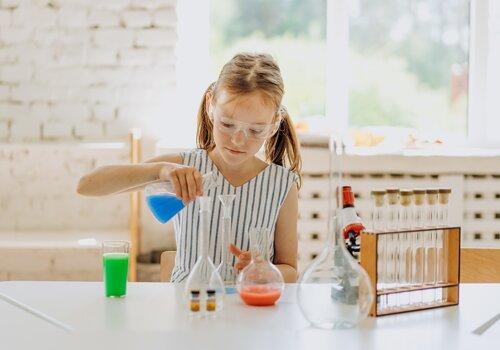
[280,170]
[190,156]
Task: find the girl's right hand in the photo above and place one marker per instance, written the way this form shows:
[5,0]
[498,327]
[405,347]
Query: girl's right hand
[186,181]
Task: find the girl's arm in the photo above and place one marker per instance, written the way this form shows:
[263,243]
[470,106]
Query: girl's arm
[112,179]
[285,237]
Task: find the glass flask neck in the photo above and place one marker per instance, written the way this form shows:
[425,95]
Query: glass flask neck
[226,227]
[227,203]
[259,241]
[335,233]
[204,226]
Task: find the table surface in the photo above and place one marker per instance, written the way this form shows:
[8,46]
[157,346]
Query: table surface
[152,316]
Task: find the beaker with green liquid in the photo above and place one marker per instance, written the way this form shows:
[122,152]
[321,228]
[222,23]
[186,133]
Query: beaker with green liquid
[115,267]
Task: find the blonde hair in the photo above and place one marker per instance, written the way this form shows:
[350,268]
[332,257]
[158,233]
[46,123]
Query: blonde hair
[255,72]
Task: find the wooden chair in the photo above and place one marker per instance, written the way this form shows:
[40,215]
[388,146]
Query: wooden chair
[479,265]
[167,261]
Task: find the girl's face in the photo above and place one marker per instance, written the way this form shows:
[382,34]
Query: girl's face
[241,125]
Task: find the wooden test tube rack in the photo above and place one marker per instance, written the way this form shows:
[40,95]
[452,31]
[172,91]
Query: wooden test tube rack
[450,289]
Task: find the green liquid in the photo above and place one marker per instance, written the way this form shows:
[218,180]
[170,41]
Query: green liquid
[115,269]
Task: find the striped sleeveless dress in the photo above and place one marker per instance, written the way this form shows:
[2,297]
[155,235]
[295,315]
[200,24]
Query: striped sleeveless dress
[256,204]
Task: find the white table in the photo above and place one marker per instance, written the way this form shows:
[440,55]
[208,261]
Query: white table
[151,317]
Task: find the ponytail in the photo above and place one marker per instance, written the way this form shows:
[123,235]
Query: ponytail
[204,138]
[283,147]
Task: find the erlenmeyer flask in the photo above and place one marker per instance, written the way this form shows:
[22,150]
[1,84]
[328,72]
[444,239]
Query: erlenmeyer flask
[204,279]
[162,201]
[334,291]
[260,283]
[225,268]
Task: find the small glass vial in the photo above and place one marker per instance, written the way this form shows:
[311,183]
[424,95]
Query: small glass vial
[211,301]
[194,302]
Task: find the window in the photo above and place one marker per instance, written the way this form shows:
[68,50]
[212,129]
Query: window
[428,68]
[409,64]
[293,31]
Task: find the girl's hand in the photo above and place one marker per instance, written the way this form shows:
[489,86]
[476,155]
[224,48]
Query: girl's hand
[244,257]
[186,181]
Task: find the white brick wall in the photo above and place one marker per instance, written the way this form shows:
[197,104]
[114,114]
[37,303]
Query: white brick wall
[73,71]
[38,190]
[69,66]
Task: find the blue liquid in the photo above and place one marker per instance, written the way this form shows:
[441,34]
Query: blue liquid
[231,290]
[164,206]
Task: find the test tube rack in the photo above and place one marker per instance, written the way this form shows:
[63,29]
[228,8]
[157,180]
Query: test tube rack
[450,288]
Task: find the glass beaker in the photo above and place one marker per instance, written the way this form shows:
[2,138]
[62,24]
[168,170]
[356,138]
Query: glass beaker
[225,269]
[162,201]
[335,291]
[203,277]
[260,283]
[115,267]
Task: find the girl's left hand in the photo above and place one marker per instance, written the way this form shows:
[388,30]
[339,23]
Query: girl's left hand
[244,257]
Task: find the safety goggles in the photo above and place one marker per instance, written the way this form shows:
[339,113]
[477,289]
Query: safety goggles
[231,127]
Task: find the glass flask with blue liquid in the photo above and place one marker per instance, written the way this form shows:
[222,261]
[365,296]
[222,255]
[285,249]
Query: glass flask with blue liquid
[162,201]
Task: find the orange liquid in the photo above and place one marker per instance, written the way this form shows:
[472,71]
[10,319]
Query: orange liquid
[260,295]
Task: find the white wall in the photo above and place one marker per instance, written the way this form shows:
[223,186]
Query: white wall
[77,69]
[74,72]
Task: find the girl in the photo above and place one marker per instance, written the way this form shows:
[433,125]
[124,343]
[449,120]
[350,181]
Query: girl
[239,113]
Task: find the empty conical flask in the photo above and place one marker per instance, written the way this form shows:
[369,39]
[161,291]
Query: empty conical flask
[204,278]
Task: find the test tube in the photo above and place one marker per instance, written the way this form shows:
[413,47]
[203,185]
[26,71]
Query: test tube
[442,255]
[418,266]
[444,204]
[432,207]
[392,244]
[379,225]
[378,210]
[419,208]
[404,244]
[430,243]
[406,210]
[392,208]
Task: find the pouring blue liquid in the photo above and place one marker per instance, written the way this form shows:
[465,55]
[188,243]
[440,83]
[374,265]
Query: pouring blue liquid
[164,206]
[163,203]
